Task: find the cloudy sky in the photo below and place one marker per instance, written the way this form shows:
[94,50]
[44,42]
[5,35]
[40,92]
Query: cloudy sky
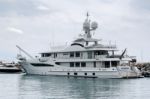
[36,25]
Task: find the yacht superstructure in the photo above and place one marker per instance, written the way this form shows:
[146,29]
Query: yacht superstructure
[85,57]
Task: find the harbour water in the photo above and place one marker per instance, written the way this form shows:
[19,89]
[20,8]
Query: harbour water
[19,86]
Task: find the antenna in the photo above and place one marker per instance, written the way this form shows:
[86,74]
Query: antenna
[141,55]
[87,15]
[89,26]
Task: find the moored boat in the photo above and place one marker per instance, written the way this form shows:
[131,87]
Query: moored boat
[9,68]
[85,57]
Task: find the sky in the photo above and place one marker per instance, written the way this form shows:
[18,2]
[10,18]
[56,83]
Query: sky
[36,25]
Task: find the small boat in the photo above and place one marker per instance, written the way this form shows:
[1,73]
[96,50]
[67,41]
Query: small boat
[9,68]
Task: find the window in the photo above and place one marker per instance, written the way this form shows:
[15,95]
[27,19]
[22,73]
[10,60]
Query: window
[77,64]
[68,74]
[58,63]
[41,64]
[55,55]
[83,64]
[65,53]
[85,73]
[77,54]
[46,54]
[107,64]
[42,55]
[89,55]
[71,64]
[102,52]
[94,64]
[114,63]
[93,74]
[97,53]
[75,73]
[71,54]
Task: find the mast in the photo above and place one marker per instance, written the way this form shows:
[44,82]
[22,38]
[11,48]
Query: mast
[88,26]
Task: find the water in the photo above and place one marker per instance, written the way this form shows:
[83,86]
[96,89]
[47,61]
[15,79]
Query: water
[19,86]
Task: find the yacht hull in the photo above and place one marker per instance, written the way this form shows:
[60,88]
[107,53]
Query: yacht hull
[113,72]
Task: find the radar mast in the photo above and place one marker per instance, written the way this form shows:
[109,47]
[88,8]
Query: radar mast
[88,27]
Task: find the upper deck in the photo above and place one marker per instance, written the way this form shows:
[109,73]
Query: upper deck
[85,43]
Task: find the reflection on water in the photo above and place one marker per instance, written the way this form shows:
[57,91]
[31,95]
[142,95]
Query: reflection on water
[18,86]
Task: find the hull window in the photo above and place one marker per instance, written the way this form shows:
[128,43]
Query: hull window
[75,74]
[68,74]
[85,74]
[57,63]
[93,74]
[41,64]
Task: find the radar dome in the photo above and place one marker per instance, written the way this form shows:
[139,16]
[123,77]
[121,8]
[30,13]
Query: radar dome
[94,25]
[86,25]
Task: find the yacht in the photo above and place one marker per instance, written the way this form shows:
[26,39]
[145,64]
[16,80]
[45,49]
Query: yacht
[9,68]
[84,57]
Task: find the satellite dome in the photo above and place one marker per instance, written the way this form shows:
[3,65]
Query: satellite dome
[94,25]
[86,25]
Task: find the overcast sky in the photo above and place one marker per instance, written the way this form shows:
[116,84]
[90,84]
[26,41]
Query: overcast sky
[35,25]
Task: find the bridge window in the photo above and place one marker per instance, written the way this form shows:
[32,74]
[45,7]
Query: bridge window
[77,54]
[71,54]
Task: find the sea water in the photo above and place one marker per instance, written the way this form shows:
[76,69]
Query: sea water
[20,86]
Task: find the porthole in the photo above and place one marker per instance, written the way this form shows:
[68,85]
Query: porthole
[93,74]
[75,73]
[68,74]
[85,74]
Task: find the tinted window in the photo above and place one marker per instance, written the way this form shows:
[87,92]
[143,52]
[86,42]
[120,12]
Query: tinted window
[93,74]
[75,73]
[71,54]
[68,74]
[41,64]
[77,54]
[57,63]
[71,64]
[83,64]
[77,64]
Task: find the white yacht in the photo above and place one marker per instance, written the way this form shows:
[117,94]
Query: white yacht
[85,57]
[9,68]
